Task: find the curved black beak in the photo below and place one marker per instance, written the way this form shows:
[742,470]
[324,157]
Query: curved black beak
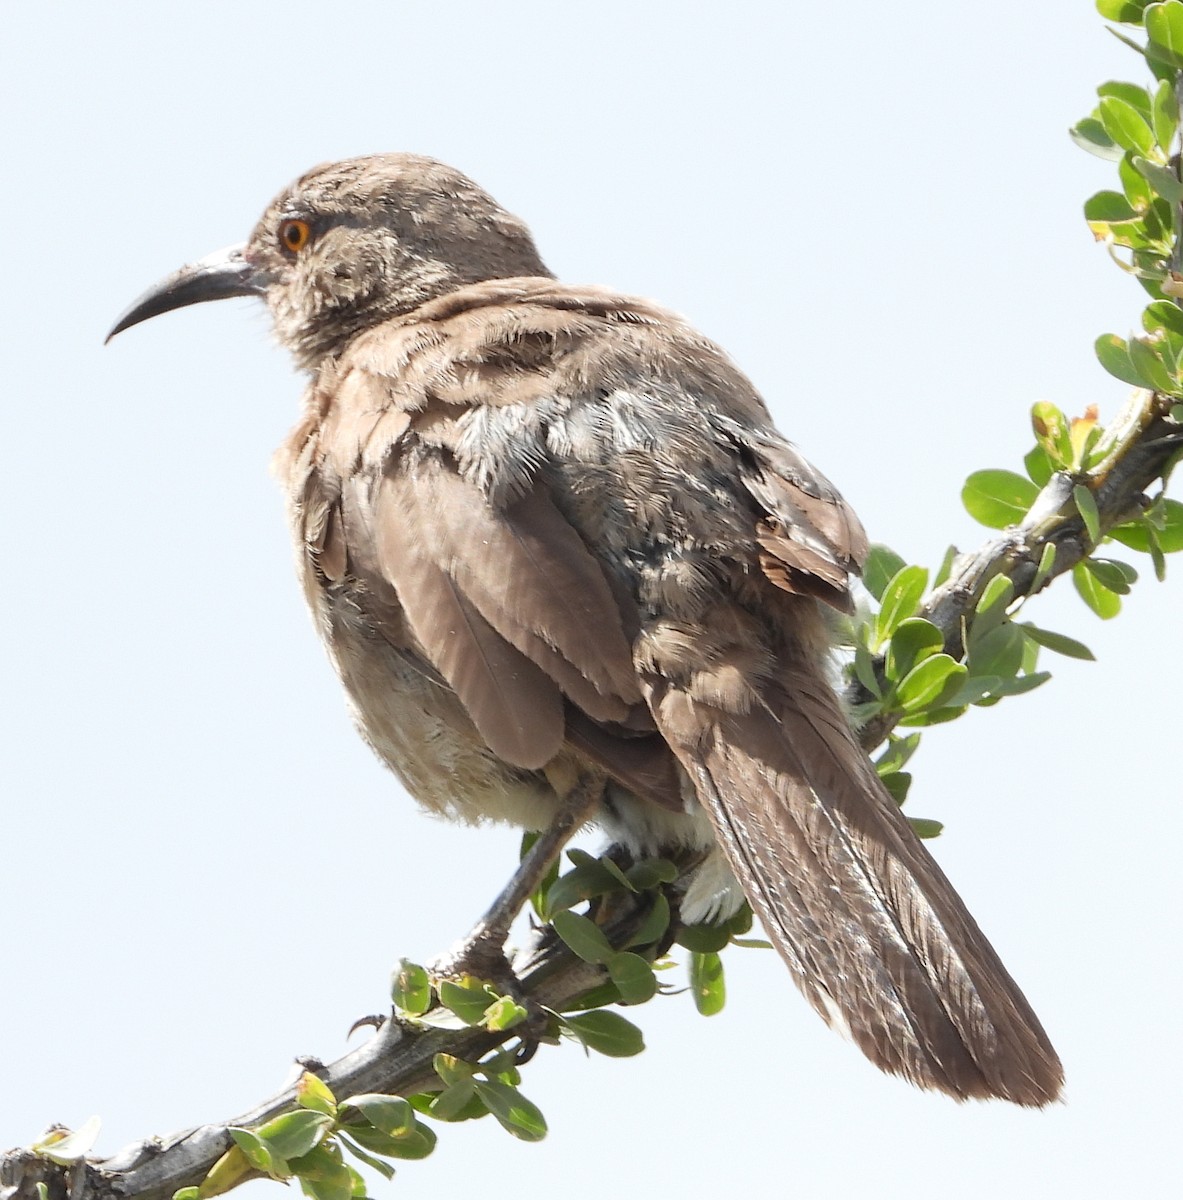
[215,277]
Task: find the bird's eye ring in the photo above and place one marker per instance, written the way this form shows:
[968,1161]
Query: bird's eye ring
[294,235]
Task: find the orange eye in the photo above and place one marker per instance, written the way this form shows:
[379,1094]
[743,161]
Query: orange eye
[294,235]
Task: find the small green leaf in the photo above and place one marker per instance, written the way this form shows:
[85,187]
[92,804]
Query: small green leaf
[312,1092]
[417,1143]
[997,499]
[455,1102]
[707,983]
[1089,134]
[1116,576]
[897,784]
[1164,25]
[323,1174]
[1109,208]
[1129,12]
[900,600]
[504,1013]
[1164,117]
[913,641]
[1114,356]
[946,567]
[372,1161]
[633,976]
[1149,366]
[1058,642]
[1052,433]
[990,610]
[590,878]
[1126,126]
[583,936]
[467,1000]
[1086,505]
[923,827]
[1168,524]
[653,928]
[1021,684]
[882,565]
[998,653]
[929,682]
[1047,562]
[259,1154]
[293,1134]
[1101,600]
[1038,466]
[392,1115]
[185,1193]
[607,1033]
[1162,179]
[411,988]
[864,670]
[704,939]
[1162,314]
[649,872]
[898,753]
[513,1111]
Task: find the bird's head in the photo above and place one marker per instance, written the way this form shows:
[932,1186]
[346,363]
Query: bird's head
[354,243]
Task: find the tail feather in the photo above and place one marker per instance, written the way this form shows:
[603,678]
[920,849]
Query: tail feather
[873,932]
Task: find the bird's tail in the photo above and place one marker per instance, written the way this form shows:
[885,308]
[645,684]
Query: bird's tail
[871,929]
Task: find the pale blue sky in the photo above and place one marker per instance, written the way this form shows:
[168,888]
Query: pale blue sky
[876,210]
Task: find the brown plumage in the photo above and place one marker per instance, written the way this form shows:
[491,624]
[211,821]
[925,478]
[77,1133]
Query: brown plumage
[544,526]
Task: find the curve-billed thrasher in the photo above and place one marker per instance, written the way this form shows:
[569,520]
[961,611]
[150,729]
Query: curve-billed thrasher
[547,531]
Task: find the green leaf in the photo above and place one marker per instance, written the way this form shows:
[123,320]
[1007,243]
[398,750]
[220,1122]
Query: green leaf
[898,753]
[999,653]
[882,565]
[411,988]
[1149,366]
[504,1013]
[372,1161]
[392,1115]
[467,1000]
[260,1154]
[1126,126]
[1047,562]
[1168,528]
[913,641]
[653,928]
[185,1193]
[946,567]
[649,872]
[707,983]
[513,1111]
[607,1033]
[1163,314]
[1129,12]
[417,1143]
[312,1092]
[1058,642]
[1089,134]
[1021,684]
[864,669]
[633,977]
[1086,505]
[1114,356]
[323,1174]
[293,1134]
[458,1102]
[1116,576]
[705,938]
[1101,600]
[590,878]
[929,682]
[1162,179]
[1164,25]
[1052,432]
[990,610]
[897,784]
[997,499]
[1109,208]
[583,936]
[1164,117]
[900,600]
[923,827]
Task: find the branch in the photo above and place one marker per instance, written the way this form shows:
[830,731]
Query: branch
[1134,454]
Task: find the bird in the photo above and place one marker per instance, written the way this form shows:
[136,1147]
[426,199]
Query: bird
[551,537]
